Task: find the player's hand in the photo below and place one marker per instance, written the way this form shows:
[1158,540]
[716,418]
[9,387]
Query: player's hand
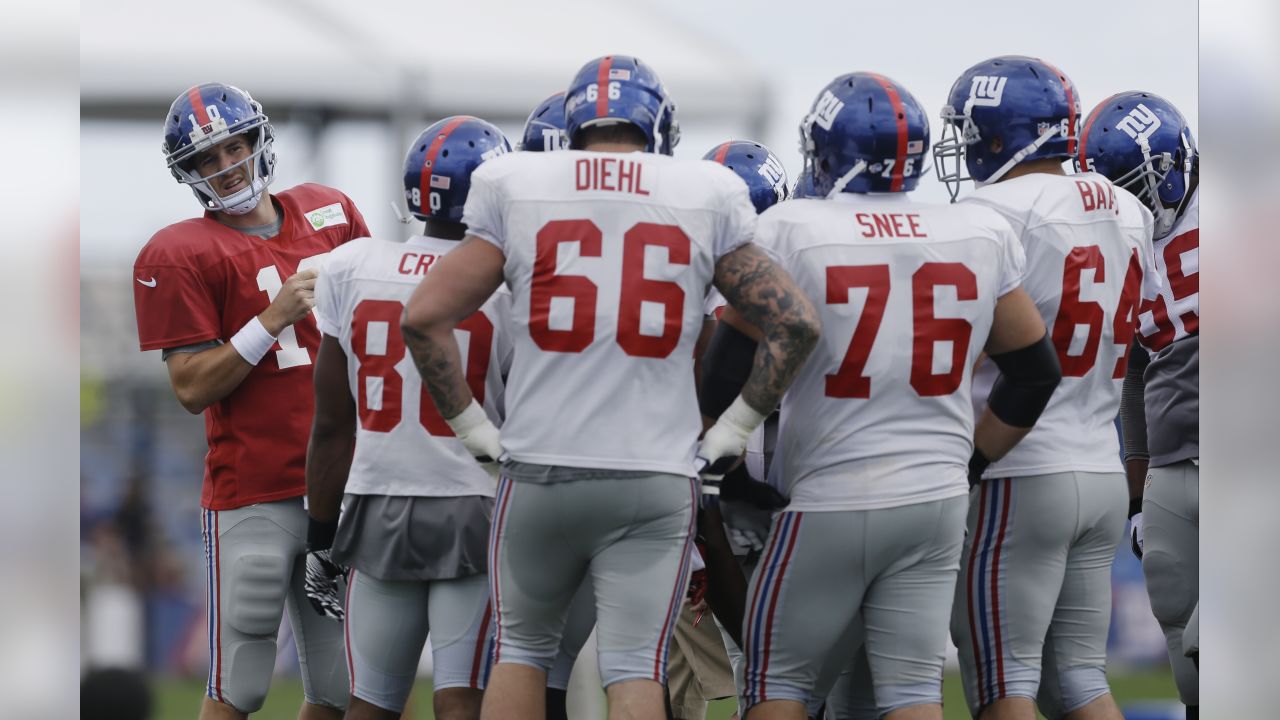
[321,584]
[1135,535]
[726,440]
[738,486]
[292,303]
[479,436]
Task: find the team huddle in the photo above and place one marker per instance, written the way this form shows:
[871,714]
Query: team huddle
[609,389]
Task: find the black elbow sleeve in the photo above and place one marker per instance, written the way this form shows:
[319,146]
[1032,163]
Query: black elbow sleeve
[726,364]
[1027,380]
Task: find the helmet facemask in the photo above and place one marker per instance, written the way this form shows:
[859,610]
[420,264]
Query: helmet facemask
[958,133]
[259,165]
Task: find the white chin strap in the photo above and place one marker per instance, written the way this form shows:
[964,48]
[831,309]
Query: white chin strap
[1020,156]
[838,186]
[241,202]
[1165,219]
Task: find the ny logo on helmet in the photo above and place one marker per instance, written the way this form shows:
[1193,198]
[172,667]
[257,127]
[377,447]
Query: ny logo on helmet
[826,110]
[987,90]
[1139,124]
[772,171]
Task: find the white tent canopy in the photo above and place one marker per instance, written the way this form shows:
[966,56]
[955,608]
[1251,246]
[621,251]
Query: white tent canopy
[384,57]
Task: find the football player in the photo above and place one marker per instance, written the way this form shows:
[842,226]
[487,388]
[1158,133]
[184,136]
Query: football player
[873,449]
[414,526]
[544,129]
[1142,143]
[544,132]
[705,658]
[228,299]
[609,249]
[1045,521]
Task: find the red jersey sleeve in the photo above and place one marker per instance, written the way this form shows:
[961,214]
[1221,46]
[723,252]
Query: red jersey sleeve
[173,303]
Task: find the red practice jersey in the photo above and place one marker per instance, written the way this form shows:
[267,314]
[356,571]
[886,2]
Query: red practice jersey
[199,280]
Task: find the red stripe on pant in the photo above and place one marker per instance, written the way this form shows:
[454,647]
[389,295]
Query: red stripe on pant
[500,518]
[974,551]
[478,657]
[346,633]
[995,585]
[677,595]
[773,602]
[217,598]
[753,609]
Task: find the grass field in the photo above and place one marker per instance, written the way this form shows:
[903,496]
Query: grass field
[179,699]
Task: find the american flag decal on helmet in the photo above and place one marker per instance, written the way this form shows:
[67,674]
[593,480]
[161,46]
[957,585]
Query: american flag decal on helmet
[619,74]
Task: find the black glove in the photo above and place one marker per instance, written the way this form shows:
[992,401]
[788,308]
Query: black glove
[321,582]
[977,465]
[739,486]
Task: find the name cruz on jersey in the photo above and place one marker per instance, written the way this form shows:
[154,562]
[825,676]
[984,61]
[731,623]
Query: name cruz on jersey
[403,445]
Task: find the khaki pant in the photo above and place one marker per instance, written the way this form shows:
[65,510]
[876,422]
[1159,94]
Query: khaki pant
[698,669]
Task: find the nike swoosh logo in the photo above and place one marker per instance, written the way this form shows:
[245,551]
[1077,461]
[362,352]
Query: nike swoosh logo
[148,283]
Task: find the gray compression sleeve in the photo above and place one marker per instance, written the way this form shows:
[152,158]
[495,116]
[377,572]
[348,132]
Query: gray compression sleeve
[1133,408]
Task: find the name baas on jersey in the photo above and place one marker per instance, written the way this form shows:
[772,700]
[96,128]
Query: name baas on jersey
[1089,266]
[403,445]
[608,257]
[879,415]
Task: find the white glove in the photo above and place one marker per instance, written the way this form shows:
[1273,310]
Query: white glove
[479,435]
[1135,534]
[727,438]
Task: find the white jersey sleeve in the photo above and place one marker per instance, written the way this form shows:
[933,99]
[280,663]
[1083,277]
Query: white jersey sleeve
[609,258]
[403,446]
[879,416]
[1088,254]
[483,212]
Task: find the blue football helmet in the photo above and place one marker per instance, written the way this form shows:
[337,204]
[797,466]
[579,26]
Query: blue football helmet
[864,133]
[759,168]
[544,130]
[1141,142]
[621,88]
[440,162]
[804,185]
[206,115]
[1031,107]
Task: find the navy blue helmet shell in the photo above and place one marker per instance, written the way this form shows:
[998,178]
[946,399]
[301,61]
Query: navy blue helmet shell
[759,168]
[437,170]
[621,88]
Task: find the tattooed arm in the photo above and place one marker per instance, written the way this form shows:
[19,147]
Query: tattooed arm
[776,313]
[458,284]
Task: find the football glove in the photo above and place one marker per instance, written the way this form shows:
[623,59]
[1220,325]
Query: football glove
[725,441]
[321,582]
[738,486]
[479,435]
[1135,527]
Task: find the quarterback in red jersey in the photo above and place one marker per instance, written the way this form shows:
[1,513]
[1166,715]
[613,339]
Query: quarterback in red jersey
[228,298]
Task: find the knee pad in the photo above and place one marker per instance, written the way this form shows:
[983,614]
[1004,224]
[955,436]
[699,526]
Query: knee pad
[249,664]
[257,585]
[1078,686]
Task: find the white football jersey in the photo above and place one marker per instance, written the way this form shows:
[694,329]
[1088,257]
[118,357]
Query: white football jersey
[403,444]
[1089,265]
[609,257]
[879,416]
[1175,312]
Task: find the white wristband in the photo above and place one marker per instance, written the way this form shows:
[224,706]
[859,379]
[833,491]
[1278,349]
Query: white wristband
[741,416]
[469,419]
[253,341]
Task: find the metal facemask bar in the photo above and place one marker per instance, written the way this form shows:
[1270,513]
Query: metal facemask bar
[958,132]
[242,201]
